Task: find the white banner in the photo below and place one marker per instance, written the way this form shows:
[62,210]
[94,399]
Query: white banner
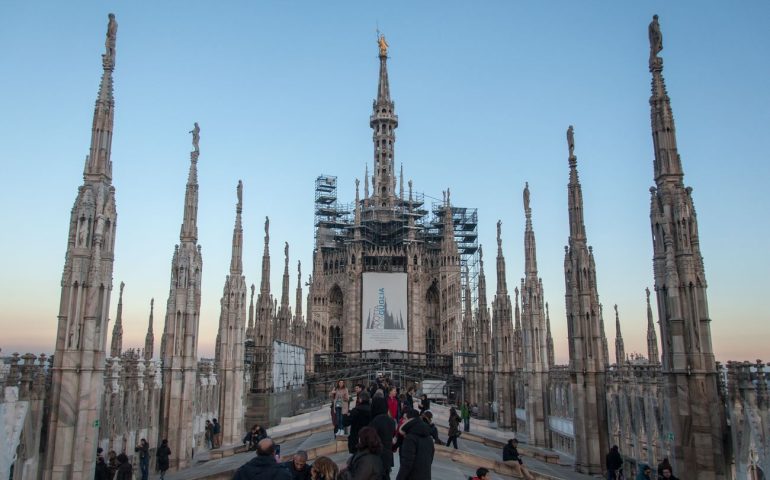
[384,312]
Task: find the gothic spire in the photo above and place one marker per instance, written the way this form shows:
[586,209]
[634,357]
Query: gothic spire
[264,287]
[98,163]
[285,284]
[383,122]
[549,338]
[236,262]
[250,328]
[502,285]
[116,346]
[620,350]
[482,284]
[298,298]
[577,229]
[149,340]
[530,251]
[668,165]
[653,356]
[189,231]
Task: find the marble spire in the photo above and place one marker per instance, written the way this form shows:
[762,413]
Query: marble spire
[534,331]
[503,340]
[687,355]
[116,347]
[588,360]
[179,353]
[149,339]
[653,356]
[549,338]
[620,349]
[86,286]
[232,325]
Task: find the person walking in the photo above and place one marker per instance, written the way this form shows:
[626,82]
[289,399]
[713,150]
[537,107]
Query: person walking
[263,466]
[465,413]
[385,427]
[324,468]
[359,417]
[161,458]
[125,471]
[512,458]
[366,463]
[614,463]
[416,451]
[341,402]
[667,474]
[144,458]
[454,427]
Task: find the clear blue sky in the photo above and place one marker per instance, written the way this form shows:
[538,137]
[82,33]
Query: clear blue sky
[484,92]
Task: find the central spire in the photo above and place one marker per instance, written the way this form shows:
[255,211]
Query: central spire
[383,122]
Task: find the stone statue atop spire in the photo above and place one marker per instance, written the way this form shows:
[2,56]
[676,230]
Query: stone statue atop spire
[240,195]
[196,134]
[267,230]
[656,39]
[571,141]
[108,59]
[526,197]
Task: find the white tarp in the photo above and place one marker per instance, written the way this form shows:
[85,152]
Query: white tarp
[384,312]
[288,366]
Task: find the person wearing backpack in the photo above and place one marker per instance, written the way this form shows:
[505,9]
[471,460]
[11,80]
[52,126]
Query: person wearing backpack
[416,450]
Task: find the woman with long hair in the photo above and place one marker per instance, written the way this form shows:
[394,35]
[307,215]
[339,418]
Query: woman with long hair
[454,427]
[340,404]
[324,469]
[366,463]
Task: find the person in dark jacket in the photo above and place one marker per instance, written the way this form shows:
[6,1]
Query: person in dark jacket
[366,463]
[667,474]
[358,418]
[427,417]
[253,437]
[298,466]
[161,458]
[512,458]
[614,463]
[112,463]
[424,404]
[416,452]
[144,458]
[454,427]
[386,429]
[102,472]
[664,464]
[263,466]
[125,470]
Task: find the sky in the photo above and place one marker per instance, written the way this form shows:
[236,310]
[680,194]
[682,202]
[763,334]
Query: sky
[484,92]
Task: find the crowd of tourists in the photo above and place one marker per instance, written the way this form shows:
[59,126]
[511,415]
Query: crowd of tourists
[614,463]
[117,466]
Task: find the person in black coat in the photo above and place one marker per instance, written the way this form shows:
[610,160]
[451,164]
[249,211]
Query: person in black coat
[614,463]
[102,472]
[358,418]
[427,417]
[386,428]
[263,466]
[424,404]
[161,458]
[298,466]
[416,452]
[125,470]
[366,463]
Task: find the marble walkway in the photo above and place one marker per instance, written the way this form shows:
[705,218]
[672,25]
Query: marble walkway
[312,432]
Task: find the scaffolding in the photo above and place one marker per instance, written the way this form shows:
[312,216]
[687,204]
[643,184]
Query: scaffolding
[465,223]
[331,218]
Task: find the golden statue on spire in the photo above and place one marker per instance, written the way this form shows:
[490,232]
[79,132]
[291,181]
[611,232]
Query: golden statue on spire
[383,45]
